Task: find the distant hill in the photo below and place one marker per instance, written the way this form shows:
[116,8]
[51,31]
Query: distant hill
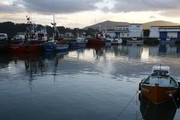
[106,25]
[159,23]
[112,24]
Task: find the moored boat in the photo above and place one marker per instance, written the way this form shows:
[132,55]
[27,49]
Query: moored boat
[108,41]
[61,47]
[79,42]
[96,42]
[25,48]
[135,41]
[116,42]
[160,86]
[55,45]
[3,42]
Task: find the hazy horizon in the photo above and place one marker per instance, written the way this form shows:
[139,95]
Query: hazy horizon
[82,13]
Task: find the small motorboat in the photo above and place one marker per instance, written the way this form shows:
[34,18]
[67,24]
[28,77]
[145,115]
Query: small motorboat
[117,42]
[79,42]
[108,41]
[160,86]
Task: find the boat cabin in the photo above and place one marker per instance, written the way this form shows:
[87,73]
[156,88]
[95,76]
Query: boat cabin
[161,70]
[160,76]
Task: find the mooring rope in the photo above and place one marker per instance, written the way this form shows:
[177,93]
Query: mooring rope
[125,107]
[173,100]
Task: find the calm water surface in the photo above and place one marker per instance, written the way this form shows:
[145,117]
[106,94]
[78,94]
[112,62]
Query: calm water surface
[84,84]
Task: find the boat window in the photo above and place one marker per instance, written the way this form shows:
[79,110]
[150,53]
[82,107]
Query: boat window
[173,82]
[160,72]
[146,81]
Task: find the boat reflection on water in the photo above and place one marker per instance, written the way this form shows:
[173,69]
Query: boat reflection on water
[162,49]
[166,111]
[38,64]
[178,49]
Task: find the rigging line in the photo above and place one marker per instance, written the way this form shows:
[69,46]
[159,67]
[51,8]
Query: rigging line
[125,107]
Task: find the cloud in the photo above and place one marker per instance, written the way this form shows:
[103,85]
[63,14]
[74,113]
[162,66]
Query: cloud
[171,13]
[145,5]
[60,6]
[14,7]
[167,8]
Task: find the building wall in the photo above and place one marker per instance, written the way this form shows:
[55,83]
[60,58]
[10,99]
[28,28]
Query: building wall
[111,34]
[124,35]
[154,32]
[130,31]
[158,32]
[135,30]
[172,34]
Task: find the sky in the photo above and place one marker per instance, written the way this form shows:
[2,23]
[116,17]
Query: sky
[82,13]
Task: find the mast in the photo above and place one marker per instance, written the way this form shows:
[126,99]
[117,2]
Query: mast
[54,26]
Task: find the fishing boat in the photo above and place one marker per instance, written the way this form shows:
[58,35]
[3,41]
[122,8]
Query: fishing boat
[98,40]
[117,41]
[160,86]
[49,46]
[30,43]
[61,47]
[79,42]
[135,41]
[108,41]
[25,48]
[3,42]
[55,45]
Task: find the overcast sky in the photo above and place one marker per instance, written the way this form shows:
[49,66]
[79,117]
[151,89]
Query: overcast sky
[81,13]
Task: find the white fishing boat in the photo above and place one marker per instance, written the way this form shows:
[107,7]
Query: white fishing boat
[134,41]
[79,42]
[117,41]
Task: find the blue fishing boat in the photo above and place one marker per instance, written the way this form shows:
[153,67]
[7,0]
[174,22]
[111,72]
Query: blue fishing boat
[49,46]
[54,45]
[61,47]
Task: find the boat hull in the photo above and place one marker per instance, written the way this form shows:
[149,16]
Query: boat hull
[137,42]
[115,43]
[49,47]
[60,47]
[78,45]
[157,94]
[96,42]
[53,47]
[23,48]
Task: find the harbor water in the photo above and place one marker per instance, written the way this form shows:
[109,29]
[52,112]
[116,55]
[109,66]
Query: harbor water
[83,84]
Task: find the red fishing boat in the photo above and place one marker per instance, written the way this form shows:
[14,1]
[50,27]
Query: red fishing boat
[32,41]
[25,48]
[159,87]
[98,40]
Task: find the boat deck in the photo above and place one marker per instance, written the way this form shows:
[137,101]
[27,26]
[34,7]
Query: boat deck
[162,81]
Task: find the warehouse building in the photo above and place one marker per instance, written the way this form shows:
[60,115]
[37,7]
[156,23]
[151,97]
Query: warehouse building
[129,31]
[165,32]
